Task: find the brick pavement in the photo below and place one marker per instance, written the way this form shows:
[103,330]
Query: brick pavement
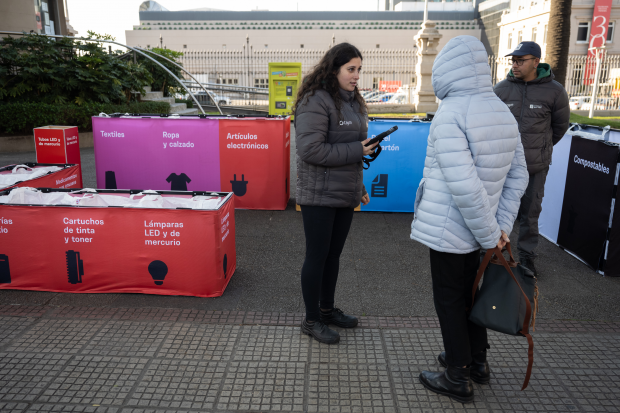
[81,359]
[243,351]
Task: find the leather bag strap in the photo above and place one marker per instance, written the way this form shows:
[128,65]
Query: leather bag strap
[528,308]
[483,266]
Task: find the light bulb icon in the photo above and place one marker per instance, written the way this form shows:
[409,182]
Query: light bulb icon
[158,270]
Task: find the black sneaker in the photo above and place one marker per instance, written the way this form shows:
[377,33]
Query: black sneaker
[529,264]
[320,332]
[339,319]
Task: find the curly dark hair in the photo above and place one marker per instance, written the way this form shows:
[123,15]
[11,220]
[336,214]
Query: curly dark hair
[323,76]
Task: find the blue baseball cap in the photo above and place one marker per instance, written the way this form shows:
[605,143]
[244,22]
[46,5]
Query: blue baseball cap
[525,48]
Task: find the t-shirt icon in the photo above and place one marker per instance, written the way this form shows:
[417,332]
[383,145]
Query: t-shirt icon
[179,182]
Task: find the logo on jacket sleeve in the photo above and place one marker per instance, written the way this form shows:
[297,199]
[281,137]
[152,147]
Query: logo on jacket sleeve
[345,122]
[535,106]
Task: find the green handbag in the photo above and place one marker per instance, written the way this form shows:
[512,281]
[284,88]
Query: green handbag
[506,299]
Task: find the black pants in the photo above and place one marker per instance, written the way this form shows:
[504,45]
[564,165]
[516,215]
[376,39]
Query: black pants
[453,279]
[529,212]
[326,231]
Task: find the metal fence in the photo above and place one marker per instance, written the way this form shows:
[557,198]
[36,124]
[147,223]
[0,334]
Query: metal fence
[578,88]
[240,77]
[226,71]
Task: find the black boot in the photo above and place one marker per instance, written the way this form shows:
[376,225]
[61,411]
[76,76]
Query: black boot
[479,370]
[529,264]
[338,318]
[454,382]
[320,332]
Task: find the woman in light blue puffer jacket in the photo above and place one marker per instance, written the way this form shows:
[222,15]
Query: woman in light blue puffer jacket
[474,177]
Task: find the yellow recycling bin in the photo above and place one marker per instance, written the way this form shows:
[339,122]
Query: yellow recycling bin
[284,79]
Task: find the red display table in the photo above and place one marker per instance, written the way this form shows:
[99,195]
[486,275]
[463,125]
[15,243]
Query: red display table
[83,249]
[67,177]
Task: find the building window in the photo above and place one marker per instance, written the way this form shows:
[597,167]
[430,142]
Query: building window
[301,46]
[261,83]
[184,46]
[519,36]
[266,46]
[377,46]
[610,32]
[545,35]
[375,82]
[224,46]
[583,32]
[510,40]
[534,33]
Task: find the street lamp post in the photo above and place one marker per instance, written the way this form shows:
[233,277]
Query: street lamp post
[599,53]
[247,59]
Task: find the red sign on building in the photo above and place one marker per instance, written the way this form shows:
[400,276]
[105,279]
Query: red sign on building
[390,86]
[598,36]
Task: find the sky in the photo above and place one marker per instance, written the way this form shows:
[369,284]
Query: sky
[115,16]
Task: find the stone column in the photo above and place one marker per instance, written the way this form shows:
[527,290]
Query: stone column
[427,40]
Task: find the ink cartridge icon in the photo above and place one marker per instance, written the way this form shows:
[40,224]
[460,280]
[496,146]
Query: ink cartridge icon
[5,271]
[75,267]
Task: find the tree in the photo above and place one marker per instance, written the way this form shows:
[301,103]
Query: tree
[162,81]
[558,38]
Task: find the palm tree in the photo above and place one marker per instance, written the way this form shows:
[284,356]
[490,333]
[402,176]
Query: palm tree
[558,38]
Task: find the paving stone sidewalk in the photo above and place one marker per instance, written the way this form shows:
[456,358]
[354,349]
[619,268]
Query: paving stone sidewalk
[243,352]
[70,359]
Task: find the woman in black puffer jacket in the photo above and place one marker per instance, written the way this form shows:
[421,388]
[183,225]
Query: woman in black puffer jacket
[331,123]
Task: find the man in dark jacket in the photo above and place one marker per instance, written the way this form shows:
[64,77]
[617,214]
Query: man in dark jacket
[540,105]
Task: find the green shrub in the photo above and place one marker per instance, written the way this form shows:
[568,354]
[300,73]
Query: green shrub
[21,117]
[36,68]
[188,102]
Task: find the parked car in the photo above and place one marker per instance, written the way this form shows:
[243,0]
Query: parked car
[576,102]
[601,104]
[399,99]
[380,98]
[221,100]
[373,95]
[203,99]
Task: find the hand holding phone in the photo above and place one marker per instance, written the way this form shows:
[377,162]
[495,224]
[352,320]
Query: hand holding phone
[379,138]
